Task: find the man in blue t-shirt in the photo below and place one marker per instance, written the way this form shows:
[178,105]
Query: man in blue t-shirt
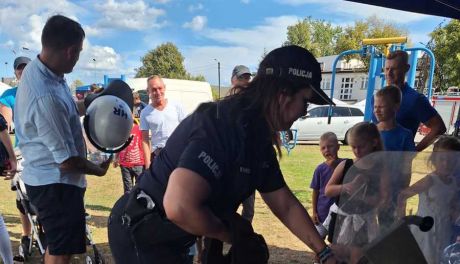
[7,100]
[415,107]
[8,97]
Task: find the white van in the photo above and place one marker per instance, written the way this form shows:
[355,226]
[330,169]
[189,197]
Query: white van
[189,93]
[453,91]
[315,123]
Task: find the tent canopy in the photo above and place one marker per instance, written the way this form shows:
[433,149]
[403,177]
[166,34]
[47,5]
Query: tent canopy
[444,8]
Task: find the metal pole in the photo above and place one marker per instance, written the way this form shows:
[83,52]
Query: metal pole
[413,68]
[334,66]
[371,83]
[431,72]
[218,75]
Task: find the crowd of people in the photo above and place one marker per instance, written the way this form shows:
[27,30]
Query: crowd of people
[184,175]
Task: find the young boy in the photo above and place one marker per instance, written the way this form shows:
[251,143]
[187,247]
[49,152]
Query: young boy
[131,159]
[329,147]
[394,136]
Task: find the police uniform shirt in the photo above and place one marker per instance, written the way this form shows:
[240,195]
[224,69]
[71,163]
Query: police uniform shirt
[227,146]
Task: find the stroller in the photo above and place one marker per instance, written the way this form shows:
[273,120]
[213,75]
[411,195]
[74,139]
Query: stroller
[38,236]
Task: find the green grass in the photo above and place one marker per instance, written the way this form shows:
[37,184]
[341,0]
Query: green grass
[102,192]
[299,166]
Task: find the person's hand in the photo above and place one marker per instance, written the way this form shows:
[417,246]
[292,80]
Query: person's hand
[104,166]
[402,197]
[315,218]
[115,163]
[354,185]
[401,205]
[225,236]
[384,201]
[11,170]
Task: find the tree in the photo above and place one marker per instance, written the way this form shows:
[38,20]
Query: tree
[317,36]
[166,61]
[372,27]
[352,36]
[445,45]
[76,83]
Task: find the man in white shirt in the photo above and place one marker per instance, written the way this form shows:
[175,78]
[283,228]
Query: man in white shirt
[160,117]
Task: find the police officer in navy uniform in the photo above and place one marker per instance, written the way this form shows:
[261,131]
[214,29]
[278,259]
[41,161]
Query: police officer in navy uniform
[214,160]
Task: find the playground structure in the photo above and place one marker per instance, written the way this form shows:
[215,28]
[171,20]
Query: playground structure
[377,63]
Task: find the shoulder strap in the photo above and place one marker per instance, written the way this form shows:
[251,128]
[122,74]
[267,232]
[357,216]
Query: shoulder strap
[348,164]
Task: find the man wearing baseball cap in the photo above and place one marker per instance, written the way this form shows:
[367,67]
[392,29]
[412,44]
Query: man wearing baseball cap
[7,100]
[241,75]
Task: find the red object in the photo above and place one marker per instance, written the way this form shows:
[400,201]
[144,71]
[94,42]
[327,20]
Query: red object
[133,155]
[422,129]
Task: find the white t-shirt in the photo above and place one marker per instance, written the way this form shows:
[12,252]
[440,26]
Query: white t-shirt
[161,123]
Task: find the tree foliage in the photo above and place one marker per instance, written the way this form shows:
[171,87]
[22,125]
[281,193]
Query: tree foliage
[166,61]
[445,45]
[352,36]
[323,39]
[318,36]
[75,84]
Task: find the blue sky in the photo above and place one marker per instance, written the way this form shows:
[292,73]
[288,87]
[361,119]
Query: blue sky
[233,32]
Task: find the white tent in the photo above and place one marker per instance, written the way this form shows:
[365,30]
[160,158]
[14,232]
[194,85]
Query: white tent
[3,87]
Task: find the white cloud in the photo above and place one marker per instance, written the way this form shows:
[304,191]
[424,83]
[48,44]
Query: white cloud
[9,44]
[22,21]
[100,58]
[162,1]
[235,48]
[272,33]
[197,23]
[129,15]
[355,11]
[193,8]
[92,31]
[96,61]
[245,1]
